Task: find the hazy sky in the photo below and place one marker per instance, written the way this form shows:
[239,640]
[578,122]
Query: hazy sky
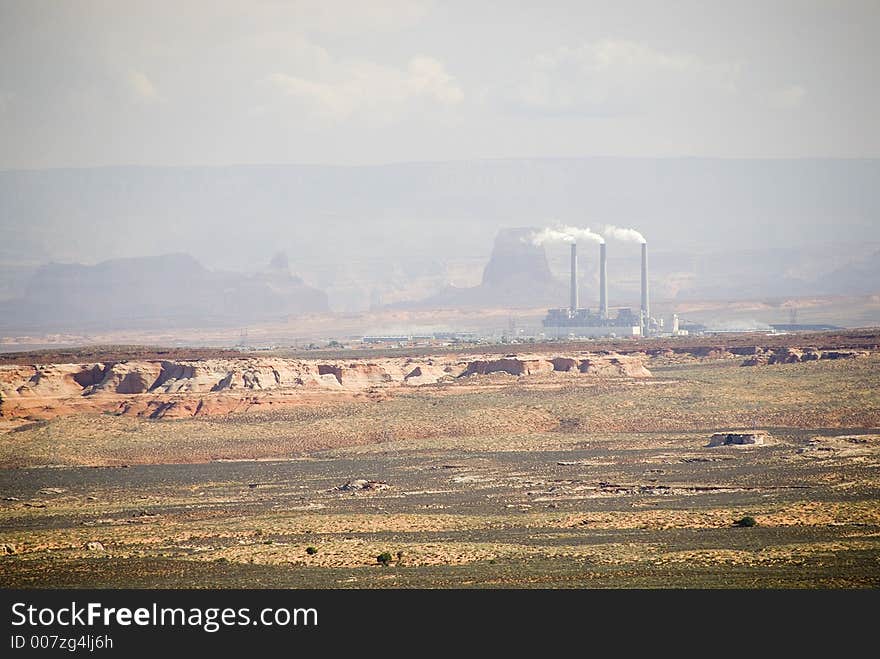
[85,83]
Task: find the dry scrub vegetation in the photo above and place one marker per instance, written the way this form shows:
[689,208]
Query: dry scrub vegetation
[493,412]
[495,480]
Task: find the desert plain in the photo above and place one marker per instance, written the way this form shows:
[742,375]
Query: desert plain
[574,465]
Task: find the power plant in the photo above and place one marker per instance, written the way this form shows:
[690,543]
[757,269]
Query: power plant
[574,321]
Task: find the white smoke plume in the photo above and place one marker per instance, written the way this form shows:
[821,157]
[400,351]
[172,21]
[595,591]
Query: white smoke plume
[550,236]
[626,235]
[565,234]
[583,234]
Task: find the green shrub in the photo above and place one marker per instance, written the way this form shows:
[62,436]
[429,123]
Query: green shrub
[311,551]
[384,558]
[746,522]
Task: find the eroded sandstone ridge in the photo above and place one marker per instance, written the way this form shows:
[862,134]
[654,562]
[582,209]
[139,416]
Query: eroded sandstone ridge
[179,388]
[796,355]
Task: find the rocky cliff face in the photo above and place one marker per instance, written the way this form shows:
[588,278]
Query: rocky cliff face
[517,275]
[516,262]
[796,355]
[160,389]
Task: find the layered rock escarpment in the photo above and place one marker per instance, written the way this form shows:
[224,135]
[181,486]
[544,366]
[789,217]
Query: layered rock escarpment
[175,388]
[797,355]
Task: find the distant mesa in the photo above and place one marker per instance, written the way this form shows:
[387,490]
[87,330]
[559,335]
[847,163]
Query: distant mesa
[516,262]
[279,263]
[170,290]
[775,229]
[860,277]
[517,275]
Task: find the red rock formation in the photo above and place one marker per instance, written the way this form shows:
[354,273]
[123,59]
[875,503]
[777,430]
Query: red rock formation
[171,389]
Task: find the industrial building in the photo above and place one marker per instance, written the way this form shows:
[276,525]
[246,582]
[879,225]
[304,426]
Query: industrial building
[580,322]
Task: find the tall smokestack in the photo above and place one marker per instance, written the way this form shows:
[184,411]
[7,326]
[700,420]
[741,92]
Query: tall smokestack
[603,281]
[646,309]
[574,277]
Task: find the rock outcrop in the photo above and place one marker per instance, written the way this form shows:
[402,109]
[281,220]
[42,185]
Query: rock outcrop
[507,365]
[797,355]
[362,485]
[168,389]
[618,365]
[602,365]
[751,438]
[516,275]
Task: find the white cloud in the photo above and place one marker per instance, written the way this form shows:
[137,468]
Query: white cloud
[618,76]
[787,97]
[340,90]
[140,87]
[637,58]
[427,77]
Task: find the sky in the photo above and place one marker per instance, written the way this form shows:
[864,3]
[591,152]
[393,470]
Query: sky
[87,83]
